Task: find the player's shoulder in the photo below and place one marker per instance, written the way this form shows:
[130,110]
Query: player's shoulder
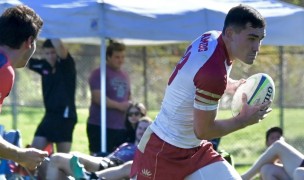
[206,42]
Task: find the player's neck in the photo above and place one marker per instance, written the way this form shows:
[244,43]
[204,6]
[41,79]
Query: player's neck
[228,47]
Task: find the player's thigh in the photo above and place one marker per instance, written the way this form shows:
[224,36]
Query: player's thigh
[221,170]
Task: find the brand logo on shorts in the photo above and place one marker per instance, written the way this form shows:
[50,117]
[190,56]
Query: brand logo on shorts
[146,172]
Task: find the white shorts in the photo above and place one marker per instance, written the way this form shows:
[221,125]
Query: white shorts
[220,170]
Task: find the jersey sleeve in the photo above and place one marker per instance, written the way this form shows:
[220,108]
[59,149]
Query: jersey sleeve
[6,79]
[69,64]
[35,65]
[210,85]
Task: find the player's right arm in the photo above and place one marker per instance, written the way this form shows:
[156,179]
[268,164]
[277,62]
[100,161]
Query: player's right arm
[207,127]
[29,158]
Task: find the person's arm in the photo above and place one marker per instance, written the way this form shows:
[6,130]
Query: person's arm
[60,49]
[119,172]
[122,106]
[206,127]
[26,157]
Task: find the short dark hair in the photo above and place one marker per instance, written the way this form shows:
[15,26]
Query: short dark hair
[272,130]
[47,44]
[239,16]
[17,24]
[114,46]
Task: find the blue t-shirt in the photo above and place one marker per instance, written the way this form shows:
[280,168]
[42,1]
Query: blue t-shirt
[124,152]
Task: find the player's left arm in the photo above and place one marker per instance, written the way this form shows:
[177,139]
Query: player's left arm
[60,49]
[207,127]
[232,85]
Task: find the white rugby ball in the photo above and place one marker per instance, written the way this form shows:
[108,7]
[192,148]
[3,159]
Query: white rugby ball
[259,88]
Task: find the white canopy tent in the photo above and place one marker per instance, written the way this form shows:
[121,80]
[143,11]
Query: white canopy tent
[147,22]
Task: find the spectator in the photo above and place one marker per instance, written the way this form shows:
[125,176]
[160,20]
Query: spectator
[134,113]
[19,29]
[121,158]
[58,73]
[279,154]
[117,101]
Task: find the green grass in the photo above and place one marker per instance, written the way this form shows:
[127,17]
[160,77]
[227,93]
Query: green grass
[245,145]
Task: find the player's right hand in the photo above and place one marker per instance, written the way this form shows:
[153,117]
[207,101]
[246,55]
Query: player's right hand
[31,158]
[253,114]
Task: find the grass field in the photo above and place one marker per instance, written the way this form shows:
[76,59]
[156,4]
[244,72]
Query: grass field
[245,145]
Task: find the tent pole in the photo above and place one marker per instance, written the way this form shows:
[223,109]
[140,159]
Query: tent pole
[103,142]
[144,52]
[281,95]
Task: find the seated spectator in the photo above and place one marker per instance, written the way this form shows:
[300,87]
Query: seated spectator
[134,113]
[76,164]
[290,164]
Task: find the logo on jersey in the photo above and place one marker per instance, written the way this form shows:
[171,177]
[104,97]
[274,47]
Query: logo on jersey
[146,173]
[203,46]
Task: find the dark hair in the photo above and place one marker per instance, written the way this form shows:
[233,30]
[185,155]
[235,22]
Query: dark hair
[17,24]
[131,130]
[272,130]
[47,44]
[114,46]
[239,16]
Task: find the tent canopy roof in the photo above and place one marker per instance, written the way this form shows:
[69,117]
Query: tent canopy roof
[158,21]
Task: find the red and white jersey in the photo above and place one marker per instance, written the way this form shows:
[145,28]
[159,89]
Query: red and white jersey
[198,81]
[7,76]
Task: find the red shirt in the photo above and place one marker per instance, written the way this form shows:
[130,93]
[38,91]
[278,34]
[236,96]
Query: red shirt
[7,76]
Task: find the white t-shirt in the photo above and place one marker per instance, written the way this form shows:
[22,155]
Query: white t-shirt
[199,78]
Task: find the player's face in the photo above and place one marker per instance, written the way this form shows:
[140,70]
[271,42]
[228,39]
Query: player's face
[274,136]
[50,54]
[134,115]
[245,45]
[116,60]
[141,128]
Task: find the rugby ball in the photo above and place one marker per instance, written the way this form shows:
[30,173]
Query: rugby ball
[259,88]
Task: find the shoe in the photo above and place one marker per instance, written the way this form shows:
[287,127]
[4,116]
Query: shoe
[79,173]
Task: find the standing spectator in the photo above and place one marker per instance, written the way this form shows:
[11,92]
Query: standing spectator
[58,74]
[118,94]
[19,28]
[175,145]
